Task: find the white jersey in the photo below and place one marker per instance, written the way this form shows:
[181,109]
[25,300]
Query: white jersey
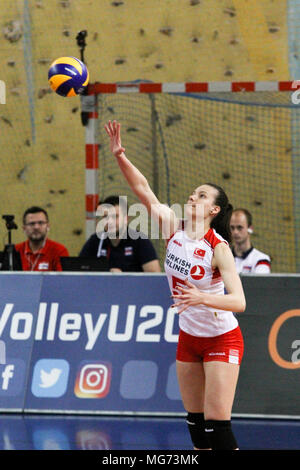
[253,261]
[192,260]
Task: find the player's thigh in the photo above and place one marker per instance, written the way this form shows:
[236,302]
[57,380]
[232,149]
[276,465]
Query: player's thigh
[191,382]
[220,385]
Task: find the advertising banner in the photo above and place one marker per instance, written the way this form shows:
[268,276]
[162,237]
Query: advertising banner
[19,298]
[270,373]
[106,343]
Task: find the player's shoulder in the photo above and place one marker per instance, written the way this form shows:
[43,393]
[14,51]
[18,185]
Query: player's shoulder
[54,245]
[213,239]
[20,246]
[260,254]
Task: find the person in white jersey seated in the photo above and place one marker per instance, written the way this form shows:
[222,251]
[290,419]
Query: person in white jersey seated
[248,259]
[199,266]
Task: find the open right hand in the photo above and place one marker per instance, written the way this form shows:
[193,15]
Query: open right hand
[113,131]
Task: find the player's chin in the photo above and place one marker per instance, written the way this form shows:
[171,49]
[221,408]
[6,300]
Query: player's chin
[194,213]
[37,237]
[190,211]
[113,234]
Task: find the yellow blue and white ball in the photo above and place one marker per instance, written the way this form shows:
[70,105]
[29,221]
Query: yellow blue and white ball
[68,76]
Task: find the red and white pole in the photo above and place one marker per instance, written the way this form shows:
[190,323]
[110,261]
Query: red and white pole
[90,106]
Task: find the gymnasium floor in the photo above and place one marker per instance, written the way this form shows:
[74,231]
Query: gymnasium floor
[48,432]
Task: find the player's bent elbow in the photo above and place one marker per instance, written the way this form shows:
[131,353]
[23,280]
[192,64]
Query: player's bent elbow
[241,306]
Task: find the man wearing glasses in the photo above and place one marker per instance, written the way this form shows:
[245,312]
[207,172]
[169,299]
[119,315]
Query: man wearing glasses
[38,252]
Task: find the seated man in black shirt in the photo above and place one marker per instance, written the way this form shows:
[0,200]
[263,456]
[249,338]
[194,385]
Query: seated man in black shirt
[124,248]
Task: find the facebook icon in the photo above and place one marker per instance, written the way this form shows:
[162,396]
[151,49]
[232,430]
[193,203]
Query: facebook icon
[7,374]
[12,377]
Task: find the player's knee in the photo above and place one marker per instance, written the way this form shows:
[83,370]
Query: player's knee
[220,435]
[196,426]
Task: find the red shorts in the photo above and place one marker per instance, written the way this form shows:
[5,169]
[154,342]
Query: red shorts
[228,347]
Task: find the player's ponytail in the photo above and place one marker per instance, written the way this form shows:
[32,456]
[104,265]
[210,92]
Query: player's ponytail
[221,223]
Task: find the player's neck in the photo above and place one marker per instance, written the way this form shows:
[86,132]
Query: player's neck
[36,246]
[196,230]
[115,240]
[241,248]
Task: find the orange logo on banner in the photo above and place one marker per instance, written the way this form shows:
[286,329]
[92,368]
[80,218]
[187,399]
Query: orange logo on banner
[272,342]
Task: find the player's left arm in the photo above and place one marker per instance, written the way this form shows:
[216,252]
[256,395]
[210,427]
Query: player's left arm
[234,300]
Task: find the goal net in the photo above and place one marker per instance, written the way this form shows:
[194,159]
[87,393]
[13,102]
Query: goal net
[246,142]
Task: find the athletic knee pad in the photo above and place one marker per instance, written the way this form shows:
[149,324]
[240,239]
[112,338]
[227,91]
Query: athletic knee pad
[220,435]
[196,425]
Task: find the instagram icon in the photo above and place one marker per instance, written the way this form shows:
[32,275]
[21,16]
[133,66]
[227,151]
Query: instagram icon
[93,380]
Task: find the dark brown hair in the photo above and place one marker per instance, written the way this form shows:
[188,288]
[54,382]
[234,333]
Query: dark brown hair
[221,222]
[34,210]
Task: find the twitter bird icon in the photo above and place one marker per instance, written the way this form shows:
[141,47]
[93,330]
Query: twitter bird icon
[50,378]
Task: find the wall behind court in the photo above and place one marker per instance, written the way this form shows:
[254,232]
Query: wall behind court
[42,140]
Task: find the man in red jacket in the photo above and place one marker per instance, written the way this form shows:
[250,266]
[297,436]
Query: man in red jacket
[38,252]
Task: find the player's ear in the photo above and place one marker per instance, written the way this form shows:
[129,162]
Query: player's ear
[215,210]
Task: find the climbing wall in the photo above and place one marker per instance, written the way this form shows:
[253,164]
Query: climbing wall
[240,141]
[42,140]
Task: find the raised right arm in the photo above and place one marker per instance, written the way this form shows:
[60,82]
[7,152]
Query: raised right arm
[165,216]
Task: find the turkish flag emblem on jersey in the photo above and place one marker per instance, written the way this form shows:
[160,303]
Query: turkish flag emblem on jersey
[199,253]
[197,272]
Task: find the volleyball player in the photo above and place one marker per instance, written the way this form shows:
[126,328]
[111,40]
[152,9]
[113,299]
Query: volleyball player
[199,264]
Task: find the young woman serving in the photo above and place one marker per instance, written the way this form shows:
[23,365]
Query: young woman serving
[200,266]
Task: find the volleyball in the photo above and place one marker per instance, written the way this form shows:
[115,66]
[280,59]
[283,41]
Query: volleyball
[68,76]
